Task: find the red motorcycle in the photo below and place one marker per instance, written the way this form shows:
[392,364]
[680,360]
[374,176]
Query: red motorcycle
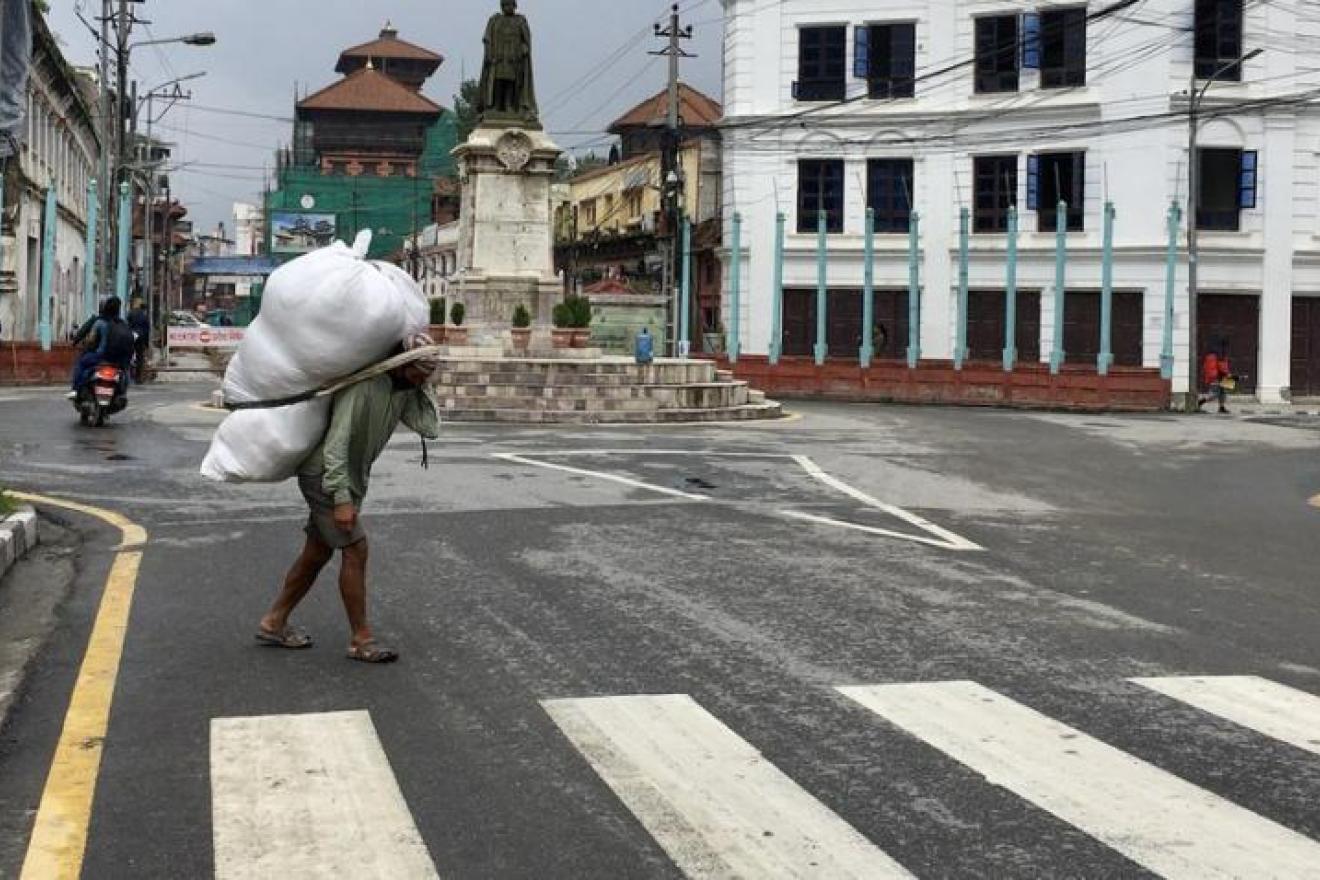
[102,395]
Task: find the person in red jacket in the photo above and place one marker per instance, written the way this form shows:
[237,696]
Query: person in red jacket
[1215,373]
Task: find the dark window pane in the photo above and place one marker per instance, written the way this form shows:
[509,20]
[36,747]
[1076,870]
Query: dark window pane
[893,60]
[996,190]
[997,54]
[820,188]
[821,63]
[1062,177]
[1217,199]
[1063,48]
[889,193]
[1218,39]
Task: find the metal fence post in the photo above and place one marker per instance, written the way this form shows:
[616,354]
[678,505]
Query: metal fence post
[685,290]
[1010,294]
[735,285]
[914,292]
[1060,283]
[47,268]
[964,236]
[1170,278]
[822,231]
[777,293]
[1105,359]
[868,291]
[89,275]
[125,228]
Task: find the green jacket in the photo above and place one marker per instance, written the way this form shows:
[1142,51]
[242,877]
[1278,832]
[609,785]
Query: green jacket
[362,420]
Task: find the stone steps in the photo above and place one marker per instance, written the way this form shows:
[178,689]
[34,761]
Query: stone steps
[659,416]
[589,397]
[599,390]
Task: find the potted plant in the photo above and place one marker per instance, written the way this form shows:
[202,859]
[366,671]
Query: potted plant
[579,308]
[522,328]
[437,328]
[562,318]
[456,334]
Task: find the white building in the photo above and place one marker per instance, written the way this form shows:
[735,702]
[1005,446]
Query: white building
[60,148]
[249,233]
[431,257]
[980,104]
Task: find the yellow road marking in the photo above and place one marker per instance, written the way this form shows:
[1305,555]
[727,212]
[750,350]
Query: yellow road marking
[59,836]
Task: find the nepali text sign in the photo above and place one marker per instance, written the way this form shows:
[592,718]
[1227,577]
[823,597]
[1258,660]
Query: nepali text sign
[205,337]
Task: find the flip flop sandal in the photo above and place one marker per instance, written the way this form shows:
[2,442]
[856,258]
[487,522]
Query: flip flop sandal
[370,652]
[291,637]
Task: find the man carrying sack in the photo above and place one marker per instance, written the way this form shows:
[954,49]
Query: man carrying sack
[333,480]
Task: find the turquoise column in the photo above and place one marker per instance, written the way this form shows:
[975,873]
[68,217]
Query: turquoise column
[868,291]
[822,230]
[125,230]
[89,274]
[735,285]
[964,237]
[1060,283]
[777,294]
[1010,294]
[914,292]
[1170,278]
[685,294]
[47,268]
[1105,359]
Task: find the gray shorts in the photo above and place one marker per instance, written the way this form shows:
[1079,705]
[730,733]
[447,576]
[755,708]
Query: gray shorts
[321,515]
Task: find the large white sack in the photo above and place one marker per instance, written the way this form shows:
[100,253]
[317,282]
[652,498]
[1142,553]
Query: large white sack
[323,316]
[266,445]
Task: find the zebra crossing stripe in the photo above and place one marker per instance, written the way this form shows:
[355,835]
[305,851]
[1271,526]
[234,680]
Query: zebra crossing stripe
[716,806]
[1157,820]
[309,796]
[1265,706]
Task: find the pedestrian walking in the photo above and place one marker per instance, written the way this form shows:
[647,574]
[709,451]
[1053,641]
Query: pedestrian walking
[140,323]
[1216,376]
[333,480]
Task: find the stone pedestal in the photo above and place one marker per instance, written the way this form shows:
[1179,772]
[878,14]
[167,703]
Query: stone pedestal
[506,231]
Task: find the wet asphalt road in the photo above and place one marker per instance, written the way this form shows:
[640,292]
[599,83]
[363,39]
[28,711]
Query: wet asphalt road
[1112,548]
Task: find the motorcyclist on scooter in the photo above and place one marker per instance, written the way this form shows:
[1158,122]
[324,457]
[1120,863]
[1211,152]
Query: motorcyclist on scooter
[109,341]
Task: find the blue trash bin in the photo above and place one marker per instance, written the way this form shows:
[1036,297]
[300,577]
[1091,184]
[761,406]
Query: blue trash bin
[644,347]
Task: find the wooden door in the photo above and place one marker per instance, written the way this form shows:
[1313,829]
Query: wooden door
[1233,319]
[1305,347]
[985,325]
[1081,328]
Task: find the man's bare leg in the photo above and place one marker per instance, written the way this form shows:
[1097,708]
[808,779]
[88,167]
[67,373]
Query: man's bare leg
[353,590]
[297,583]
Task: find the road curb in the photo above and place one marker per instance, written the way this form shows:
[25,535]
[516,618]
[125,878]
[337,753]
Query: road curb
[18,535]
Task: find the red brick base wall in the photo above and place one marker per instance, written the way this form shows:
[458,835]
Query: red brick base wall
[1076,387]
[24,363]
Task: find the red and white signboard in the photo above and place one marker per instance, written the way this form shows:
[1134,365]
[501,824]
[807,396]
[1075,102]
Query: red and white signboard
[205,337]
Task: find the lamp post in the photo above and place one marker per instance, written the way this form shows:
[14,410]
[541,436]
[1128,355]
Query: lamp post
[1194,97]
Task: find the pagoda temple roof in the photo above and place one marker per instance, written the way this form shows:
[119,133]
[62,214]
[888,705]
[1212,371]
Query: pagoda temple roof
[387,45]
[367,89]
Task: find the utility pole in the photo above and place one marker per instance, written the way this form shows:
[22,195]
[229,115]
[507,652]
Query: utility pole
[671,170]
[107,187]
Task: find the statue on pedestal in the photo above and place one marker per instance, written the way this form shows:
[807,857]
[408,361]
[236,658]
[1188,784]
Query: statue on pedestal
[508,96]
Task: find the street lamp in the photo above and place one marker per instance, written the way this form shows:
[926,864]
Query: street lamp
[1195,95]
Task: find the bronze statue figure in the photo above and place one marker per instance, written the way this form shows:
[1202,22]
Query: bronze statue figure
[507,93]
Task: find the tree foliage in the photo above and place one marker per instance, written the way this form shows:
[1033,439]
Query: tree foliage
[465,107]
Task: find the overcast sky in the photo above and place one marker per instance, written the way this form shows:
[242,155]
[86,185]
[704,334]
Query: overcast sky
[590,57]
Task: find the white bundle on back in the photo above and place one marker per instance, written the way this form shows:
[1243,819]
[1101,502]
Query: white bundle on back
[323,316]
